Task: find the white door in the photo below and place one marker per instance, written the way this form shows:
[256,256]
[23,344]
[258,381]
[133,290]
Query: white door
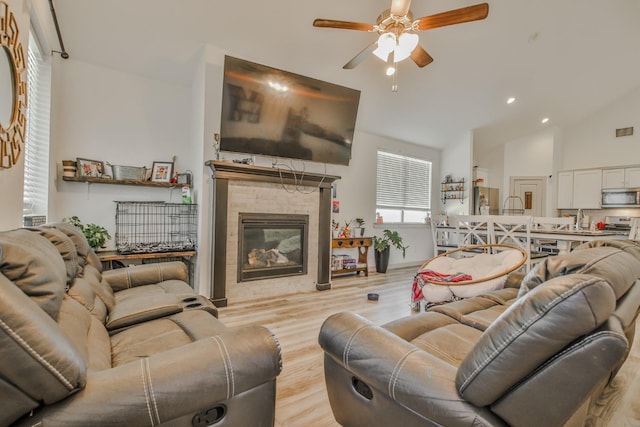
[531,191]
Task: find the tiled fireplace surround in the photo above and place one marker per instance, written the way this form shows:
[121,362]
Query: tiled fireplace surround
[255,189]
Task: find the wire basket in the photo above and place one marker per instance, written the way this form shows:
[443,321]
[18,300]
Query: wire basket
[144,227]
[513,211]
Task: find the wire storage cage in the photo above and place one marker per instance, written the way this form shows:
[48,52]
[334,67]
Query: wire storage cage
[143,227]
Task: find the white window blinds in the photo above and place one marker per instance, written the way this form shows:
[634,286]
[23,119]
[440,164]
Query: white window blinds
[36,163]
[403,188]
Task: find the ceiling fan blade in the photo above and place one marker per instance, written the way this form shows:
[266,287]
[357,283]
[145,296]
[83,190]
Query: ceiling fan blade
[456,16]
[400,7]
[345,25]
[360,56]
[421,57]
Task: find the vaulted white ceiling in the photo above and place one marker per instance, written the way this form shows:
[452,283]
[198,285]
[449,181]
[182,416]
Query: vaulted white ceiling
[562,59]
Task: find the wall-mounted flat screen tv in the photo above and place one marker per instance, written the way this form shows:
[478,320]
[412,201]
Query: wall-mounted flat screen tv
[276,113]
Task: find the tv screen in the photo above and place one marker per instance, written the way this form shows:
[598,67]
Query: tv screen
[277,113]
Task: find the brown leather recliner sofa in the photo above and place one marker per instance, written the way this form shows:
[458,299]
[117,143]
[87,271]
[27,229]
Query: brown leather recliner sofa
[533,354]
[129,347]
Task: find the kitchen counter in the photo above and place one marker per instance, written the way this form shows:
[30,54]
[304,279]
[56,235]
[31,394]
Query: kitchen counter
[599,233]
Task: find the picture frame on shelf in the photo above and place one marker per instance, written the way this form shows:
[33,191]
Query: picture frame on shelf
[89,168]
[162,171]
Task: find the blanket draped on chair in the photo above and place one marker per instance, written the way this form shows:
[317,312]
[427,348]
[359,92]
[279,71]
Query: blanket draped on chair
[424,276]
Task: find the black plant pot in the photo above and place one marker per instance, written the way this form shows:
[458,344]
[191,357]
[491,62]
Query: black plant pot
[382,260]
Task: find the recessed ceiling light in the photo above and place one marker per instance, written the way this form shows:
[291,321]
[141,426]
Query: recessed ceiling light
[511,100]
[545,120]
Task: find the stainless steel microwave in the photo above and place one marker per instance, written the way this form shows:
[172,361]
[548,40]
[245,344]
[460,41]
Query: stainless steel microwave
[621,198]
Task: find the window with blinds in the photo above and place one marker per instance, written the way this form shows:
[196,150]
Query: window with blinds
[403,188]
[36,153]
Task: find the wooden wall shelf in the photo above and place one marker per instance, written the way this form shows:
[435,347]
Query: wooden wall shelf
[93,180]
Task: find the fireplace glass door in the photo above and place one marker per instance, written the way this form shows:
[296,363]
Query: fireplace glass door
[271,245]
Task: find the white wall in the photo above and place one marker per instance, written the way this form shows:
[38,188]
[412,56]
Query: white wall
[531,155]
[592,142]
[108,115]
[456,161]
[11,190]
[357,194]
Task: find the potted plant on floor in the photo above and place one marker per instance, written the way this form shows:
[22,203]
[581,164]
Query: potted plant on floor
[382,247]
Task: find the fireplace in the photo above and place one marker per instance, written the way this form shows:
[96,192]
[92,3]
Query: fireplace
[240,188]
[271,245]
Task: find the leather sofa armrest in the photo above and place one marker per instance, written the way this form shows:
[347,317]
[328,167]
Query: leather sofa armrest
[405,373]
[132,312]
[172,384]
[146,274]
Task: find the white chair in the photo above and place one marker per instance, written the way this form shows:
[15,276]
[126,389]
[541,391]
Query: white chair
[552,223]
[542,248]
[442,234]
[634,232]
[473,229]
[513,230]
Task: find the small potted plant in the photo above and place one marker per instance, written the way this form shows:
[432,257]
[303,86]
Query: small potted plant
[360,225]
[382,246]
[96,235]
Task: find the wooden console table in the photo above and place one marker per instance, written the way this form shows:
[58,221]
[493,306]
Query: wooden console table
[362,245]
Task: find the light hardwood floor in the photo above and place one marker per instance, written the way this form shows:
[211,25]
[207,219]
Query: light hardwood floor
[296,319]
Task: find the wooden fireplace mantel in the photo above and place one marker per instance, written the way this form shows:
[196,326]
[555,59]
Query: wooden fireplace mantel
[241,171]
[223,172]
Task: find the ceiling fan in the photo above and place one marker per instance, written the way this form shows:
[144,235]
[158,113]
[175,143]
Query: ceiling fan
[397,32]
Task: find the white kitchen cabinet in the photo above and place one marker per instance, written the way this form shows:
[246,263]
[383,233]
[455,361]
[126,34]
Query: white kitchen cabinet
[580,189]
[587,189]
[565,190]
[613,178]
[621,178]
[632,177]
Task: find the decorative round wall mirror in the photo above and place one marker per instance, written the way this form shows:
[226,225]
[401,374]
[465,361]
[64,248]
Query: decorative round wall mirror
[13,89]
[7,88]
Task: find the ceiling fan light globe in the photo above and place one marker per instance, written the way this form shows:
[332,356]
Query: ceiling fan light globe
[390,71]
[407,42]
[380,53]
[387,42]
[401,54]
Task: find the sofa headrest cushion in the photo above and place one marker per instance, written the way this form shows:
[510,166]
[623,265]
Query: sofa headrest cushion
[38,358]
[76,235]
[534,329]
[33,264]
[65,246]
[617,266]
